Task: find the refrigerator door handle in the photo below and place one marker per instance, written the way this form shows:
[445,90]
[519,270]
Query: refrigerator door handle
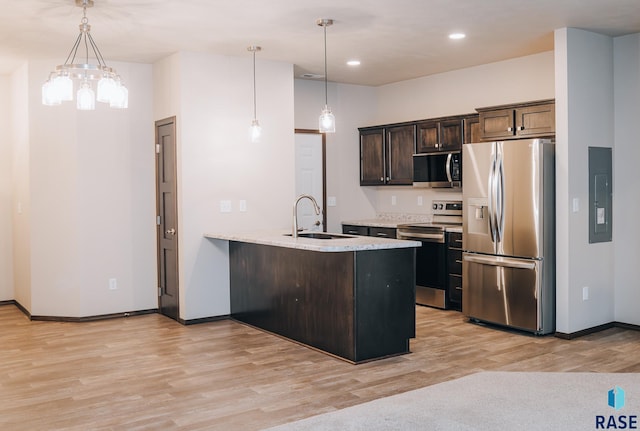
[491,197]
[500,198]
[499,261]
[448,168]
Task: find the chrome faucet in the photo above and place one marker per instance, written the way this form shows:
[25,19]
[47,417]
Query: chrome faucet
[294,232]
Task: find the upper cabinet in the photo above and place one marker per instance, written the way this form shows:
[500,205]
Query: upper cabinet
[523,120]
[471,129]
[439,135]
[386,155]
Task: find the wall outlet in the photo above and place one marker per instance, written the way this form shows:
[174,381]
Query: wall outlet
[242,206]
[585,293]
[420,202]
[225,206]
[113,284]
[394,200]
[331,201]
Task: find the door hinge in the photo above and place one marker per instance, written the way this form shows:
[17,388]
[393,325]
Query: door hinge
[159,291]
[157,148]
[158,220]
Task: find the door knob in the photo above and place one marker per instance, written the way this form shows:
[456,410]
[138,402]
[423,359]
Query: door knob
[171,231]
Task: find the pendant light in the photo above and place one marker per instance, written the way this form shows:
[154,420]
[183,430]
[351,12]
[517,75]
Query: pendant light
[327,122]
[256,130]
[59,87]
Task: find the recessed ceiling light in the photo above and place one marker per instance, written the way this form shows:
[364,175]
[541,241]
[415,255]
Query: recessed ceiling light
[456,36]
[353,62]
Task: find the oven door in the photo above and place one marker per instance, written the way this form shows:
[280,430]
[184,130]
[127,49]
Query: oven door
[431,274]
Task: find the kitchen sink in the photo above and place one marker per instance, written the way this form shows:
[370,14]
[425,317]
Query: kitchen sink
[321,235]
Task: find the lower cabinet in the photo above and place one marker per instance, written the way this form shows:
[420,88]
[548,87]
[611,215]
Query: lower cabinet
[454,269]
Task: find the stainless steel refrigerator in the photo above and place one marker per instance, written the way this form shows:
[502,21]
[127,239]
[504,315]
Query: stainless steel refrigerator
[508,263]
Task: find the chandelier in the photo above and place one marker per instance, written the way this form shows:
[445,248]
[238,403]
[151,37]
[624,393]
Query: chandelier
[59,86]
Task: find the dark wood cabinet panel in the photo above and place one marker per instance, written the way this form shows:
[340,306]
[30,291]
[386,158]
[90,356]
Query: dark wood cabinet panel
[428,137]
[386,155]
[454,269]
[355,230]
[377,231]
[451,135]
[471,129]
[439,135]
[496,124]
[357,305]
[382,232]
[372,158]
[400,148]
[532,119]
[538,120]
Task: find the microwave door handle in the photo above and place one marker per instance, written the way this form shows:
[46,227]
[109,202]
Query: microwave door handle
[448,167]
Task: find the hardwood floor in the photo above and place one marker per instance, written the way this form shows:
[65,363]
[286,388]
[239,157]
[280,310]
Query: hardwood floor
[151,373]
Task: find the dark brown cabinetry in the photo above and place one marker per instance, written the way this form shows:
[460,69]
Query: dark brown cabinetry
[386,155]
[454,269]
[472,129]
[380,232]
[439,135]
[357,305]
[533,119]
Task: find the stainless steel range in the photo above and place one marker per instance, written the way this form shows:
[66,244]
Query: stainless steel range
[431,258]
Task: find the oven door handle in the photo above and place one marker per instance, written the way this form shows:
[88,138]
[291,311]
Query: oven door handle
[435,237]
[499,261]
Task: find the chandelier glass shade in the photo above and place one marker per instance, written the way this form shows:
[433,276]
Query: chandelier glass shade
[59,86]
[327,121]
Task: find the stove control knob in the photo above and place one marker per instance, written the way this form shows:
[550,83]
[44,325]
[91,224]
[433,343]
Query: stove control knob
[440,206]
[435,206]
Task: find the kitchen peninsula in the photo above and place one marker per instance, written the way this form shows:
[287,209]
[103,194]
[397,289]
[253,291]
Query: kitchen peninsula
[352,297]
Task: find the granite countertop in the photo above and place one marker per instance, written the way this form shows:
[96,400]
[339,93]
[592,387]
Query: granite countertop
[280,239]
[391,220]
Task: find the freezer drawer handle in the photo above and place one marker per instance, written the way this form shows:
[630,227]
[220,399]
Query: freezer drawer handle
[499,261]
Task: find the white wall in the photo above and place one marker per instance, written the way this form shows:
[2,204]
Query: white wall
[353,106]
[6,201]
[626,155]
[21,198]
[212,97]
[84,181]
[458,92]
[585,114]
[462,91]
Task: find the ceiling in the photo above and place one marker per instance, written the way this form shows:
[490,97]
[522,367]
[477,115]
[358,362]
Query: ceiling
[395,40]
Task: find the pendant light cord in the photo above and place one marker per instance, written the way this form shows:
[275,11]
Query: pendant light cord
[326,99]
[254,84]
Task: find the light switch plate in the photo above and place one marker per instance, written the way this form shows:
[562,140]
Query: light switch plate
[576,205]
[225,206]
[331,201]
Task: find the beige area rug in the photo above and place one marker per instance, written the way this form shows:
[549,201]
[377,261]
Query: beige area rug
[495,401]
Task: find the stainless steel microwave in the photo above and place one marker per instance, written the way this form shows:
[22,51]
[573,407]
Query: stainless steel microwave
[437,170]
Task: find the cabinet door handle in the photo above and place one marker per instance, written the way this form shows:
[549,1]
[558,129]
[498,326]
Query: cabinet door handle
[509,129]
[521,128]
[382,179]
[388,178]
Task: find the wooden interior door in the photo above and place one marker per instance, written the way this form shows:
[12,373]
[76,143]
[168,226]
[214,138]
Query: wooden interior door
[167,218]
